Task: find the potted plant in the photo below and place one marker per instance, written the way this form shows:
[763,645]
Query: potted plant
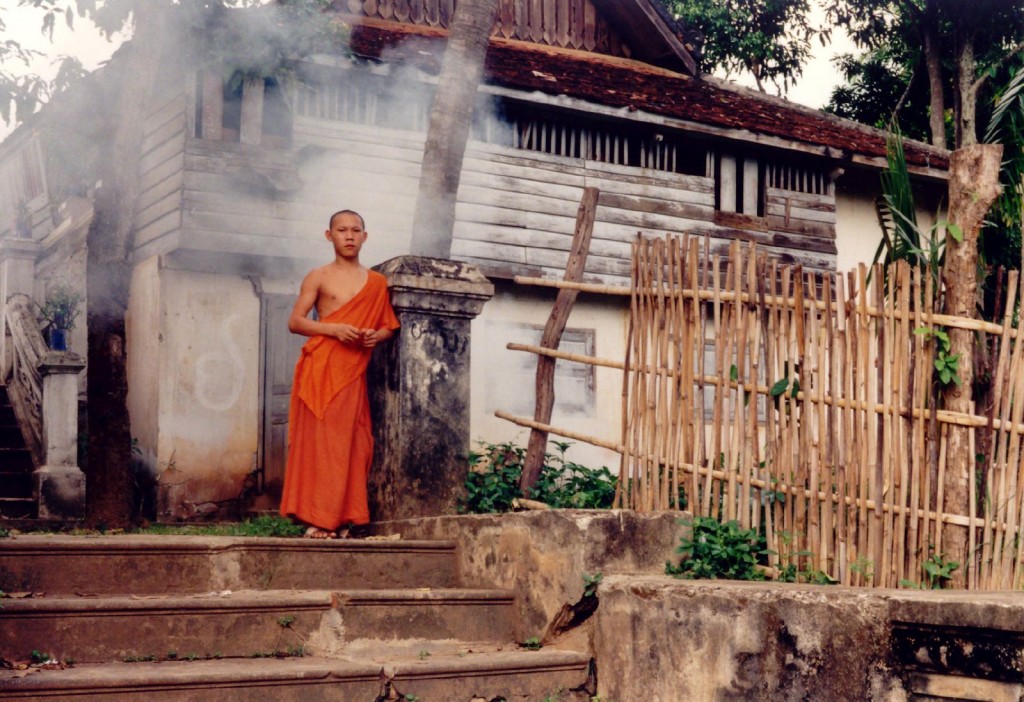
[59,312]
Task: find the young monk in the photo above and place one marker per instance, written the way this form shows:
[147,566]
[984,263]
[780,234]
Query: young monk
[330,440]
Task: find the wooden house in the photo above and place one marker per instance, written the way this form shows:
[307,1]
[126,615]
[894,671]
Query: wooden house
[237,185]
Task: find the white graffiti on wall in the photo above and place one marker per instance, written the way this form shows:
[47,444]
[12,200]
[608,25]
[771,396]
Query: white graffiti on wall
[220,372]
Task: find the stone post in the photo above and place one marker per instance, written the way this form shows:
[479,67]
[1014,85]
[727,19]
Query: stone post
[419,388]
[17,275]
[59,484]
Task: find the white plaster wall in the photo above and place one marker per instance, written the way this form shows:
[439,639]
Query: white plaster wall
[209,390]
[520,304]
[857,229]
[143,331]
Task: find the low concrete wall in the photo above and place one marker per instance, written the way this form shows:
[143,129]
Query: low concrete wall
[658,639]
[672,640]
[543,555]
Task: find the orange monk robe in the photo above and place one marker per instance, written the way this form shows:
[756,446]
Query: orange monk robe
[330,439]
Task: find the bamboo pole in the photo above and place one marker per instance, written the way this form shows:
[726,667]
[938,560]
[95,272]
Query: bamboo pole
[945,320]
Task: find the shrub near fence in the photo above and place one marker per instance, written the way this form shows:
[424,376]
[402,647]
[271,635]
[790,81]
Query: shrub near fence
[804,406]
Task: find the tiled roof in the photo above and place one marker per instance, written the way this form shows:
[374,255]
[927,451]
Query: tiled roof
[623,83]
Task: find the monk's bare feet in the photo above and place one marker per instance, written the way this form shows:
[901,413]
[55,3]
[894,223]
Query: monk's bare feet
[318,533]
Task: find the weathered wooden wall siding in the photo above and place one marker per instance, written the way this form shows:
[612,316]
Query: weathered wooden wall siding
[573,24]
[162,170]
[232,203]
[517,211]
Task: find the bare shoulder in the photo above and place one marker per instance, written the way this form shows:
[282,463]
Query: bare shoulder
[315,277]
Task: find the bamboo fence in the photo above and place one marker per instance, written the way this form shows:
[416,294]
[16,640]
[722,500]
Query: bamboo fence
[804,406]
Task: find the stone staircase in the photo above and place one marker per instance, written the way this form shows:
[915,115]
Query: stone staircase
[15,466]
[220,618]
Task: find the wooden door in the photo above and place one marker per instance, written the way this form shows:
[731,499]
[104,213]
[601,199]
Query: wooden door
[281,351]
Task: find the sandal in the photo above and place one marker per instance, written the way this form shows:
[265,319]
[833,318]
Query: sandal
[319,534]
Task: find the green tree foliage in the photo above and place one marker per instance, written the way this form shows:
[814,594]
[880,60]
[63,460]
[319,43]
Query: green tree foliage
[769,38]
[956,49]
[881,89]
[1001,237]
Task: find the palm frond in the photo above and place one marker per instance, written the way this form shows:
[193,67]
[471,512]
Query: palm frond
[896,210]
[1011,100]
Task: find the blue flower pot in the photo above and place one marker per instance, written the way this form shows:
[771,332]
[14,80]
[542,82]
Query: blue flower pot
[58,339]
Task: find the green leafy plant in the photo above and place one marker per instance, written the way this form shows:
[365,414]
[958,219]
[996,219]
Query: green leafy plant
[947,368]
[789,569]
[61,307]
[863,566]
[264,525]
[139,659]
[937,573]
[566,484]
[719,550]
[38,657]
[590,583]
[492,482]
[902,237]
[493,479]
[532,644]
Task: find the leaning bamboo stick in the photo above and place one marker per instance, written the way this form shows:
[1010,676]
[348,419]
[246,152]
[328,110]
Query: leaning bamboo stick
[942,416]
[793,491]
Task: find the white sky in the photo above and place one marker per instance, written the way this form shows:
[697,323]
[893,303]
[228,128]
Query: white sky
[85,42]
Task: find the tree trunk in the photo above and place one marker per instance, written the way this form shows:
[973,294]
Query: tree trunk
[450,119]
[967,93]
[973,187]
[937,106]
[109,477]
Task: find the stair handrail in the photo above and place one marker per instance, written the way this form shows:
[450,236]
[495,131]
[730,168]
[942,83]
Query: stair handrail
[25,385]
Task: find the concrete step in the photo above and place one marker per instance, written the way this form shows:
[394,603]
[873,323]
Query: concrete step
[15,484]
[248,623]
[10,434]
[15,459]
[17,508]
[145,565]
[495,674]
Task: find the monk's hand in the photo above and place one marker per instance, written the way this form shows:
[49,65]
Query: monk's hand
[347,334]
[370,338]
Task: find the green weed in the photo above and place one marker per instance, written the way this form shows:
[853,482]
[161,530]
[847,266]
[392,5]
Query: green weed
[937,573]
[493,480]
[717,550]
[532,644]
[266,525]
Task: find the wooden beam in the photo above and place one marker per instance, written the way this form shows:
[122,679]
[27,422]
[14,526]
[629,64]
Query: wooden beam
[545,397]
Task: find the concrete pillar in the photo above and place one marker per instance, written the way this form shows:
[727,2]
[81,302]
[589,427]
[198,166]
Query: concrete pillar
[17,275]
[419,388]
[60,484]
